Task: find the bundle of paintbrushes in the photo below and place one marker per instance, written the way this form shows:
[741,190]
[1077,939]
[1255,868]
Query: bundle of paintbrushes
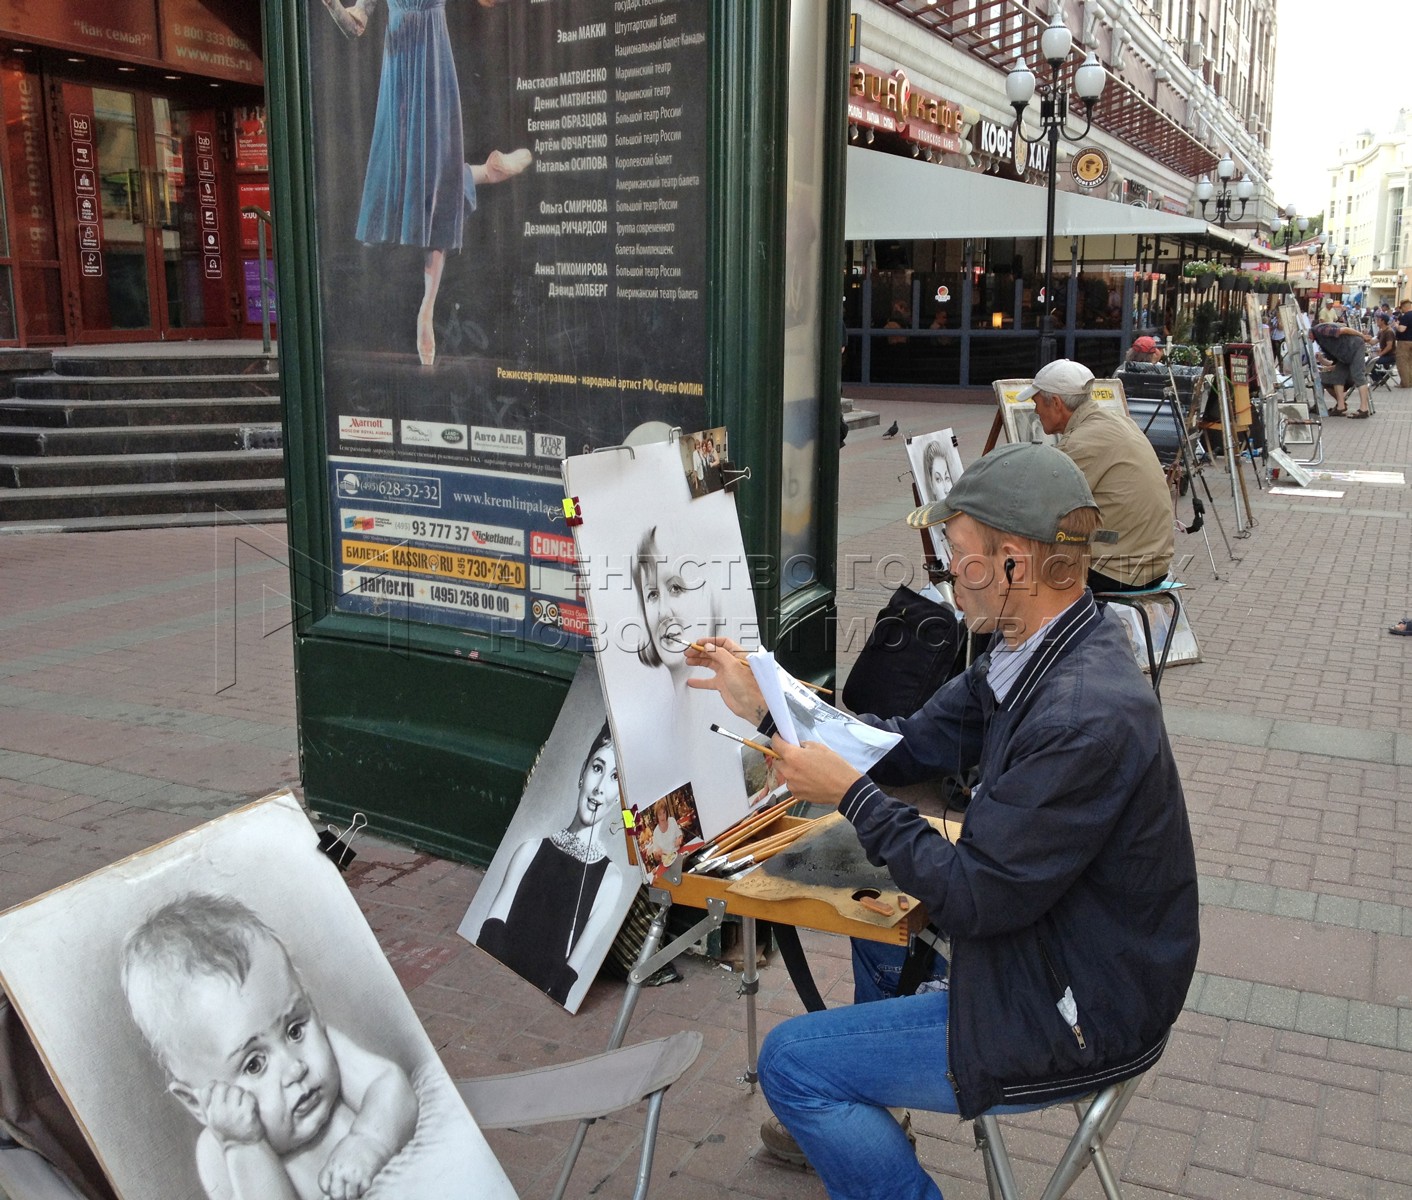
[743,848]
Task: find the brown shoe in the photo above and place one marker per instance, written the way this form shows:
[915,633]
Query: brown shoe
[780,1142]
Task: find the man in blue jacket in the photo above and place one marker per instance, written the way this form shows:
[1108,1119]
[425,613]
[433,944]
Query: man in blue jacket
[1070,896]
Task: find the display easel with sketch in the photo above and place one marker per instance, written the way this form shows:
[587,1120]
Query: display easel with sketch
[1018,418]
[1235,437]
[1259,332]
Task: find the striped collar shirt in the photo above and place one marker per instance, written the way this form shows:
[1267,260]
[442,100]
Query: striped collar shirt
[1007,664]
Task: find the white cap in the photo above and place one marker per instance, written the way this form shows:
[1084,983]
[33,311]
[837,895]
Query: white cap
[1063,377]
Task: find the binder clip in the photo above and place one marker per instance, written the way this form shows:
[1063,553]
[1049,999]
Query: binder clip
[732,476]
[573,514]
[337,846]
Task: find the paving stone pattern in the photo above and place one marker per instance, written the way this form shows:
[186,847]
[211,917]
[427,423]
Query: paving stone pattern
[146,684]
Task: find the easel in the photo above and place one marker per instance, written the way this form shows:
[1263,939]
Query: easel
[1187,426]
[1231,432]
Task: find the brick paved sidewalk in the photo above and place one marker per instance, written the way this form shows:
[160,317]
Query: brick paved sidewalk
[142,691]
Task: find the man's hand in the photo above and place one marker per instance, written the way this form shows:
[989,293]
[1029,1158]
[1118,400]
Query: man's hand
[232,1115]
[731,677]
[352,1166]
[813,772]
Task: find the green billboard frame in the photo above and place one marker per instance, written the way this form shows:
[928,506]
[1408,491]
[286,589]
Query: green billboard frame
[431,731]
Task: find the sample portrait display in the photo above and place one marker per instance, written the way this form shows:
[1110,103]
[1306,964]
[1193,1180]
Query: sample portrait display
[660,570]
[704,456]
[1159,618]
[561,882]
[1019,417]
[936,464]
[668,829]
[221,1022]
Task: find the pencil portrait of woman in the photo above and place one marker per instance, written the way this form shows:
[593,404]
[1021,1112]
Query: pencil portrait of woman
[544,921]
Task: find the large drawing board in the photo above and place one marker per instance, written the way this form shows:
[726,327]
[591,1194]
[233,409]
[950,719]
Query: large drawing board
[1297,353]
[1265,373]
[61,958]
[660,570]
[1022,423]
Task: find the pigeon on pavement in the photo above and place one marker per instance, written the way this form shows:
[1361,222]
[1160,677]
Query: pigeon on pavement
[891,430]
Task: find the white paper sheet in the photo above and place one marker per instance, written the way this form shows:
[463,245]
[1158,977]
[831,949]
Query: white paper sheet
[801,715]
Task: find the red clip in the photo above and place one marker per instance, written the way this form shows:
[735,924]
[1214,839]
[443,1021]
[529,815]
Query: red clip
[573,514]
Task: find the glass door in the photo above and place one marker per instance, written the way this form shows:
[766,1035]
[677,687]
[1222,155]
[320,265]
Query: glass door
[148,202]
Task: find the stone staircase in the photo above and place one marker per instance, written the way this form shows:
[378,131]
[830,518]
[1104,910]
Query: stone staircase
[117,437]
[857,418]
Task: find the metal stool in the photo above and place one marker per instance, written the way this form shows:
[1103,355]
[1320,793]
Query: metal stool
[1166,590]
[1097,1114]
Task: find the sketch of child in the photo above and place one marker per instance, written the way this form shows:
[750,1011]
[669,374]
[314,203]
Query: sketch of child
[418,184]
[543,922]
[292,1109]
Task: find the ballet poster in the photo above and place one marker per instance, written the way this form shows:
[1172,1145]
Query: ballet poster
[510,200]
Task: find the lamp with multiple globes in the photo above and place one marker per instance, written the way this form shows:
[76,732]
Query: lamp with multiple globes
[1225,196]
[1020,85]
[1289,227]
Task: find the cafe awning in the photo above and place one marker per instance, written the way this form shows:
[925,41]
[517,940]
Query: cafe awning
[890,197]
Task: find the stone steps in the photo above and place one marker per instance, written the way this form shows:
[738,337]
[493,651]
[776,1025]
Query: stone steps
[139,435]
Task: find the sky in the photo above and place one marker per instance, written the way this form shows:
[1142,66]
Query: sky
[1338,70]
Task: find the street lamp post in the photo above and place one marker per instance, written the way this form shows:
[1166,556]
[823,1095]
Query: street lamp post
[1226,195]
[1054,44]
[1317,249]
[1288,226]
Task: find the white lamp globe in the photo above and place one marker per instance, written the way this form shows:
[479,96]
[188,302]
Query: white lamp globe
[1019,84]
[1204,189]
[1056,41]
[1089,78]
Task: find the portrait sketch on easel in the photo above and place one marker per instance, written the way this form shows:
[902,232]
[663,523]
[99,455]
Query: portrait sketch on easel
[221,1022]
[561,882]
[936,465]
[660,571]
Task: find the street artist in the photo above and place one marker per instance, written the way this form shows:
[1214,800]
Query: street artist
[1070,896]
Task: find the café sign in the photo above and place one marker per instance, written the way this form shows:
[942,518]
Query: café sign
[1001,142]
[889,102]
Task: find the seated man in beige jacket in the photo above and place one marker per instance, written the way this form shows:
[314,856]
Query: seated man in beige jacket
[1123,473]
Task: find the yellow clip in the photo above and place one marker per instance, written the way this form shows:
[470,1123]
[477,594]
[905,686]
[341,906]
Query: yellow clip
[629,821]
[569,507]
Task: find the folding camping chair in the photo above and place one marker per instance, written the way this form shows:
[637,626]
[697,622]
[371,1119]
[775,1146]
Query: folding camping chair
[1166,591]
[1098,1114]
[1300,432]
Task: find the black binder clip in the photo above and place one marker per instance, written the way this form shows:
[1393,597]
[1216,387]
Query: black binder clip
[338,846]
[732,476]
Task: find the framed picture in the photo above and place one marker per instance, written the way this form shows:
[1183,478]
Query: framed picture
[561,882]
[1159,618]
[218,1003]
[661,569]
[1022,423]
[936,465]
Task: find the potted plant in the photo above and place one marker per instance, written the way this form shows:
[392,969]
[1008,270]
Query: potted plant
[1203,273]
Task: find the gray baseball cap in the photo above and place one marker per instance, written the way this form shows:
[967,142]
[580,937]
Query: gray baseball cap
[1024,489]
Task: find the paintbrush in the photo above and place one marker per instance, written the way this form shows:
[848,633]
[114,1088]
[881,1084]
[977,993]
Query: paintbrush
[744,741]
[813,687]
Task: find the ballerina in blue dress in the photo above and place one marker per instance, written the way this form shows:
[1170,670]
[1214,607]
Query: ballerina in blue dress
[418,184]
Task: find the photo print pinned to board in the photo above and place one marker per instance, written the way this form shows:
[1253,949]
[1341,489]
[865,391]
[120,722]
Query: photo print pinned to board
[705,458]
[936,465]
[171,993]
[1022,422]
[561,882]
[667,829]
[660,570]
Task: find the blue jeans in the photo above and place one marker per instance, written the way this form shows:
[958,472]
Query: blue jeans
[831,1076]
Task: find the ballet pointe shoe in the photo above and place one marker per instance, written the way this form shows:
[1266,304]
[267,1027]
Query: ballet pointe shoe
[500,166]
[426,340]
[351,22]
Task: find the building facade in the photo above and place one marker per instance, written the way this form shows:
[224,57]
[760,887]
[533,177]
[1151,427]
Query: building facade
[134,140]
[1186,82]
[1368,193]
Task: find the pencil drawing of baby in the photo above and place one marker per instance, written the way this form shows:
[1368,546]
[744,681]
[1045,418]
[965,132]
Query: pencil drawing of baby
[291,1108]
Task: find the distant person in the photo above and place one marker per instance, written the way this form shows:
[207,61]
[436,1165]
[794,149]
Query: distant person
[1122,471]
[1346,350]
[1402,328]
[1145,350]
